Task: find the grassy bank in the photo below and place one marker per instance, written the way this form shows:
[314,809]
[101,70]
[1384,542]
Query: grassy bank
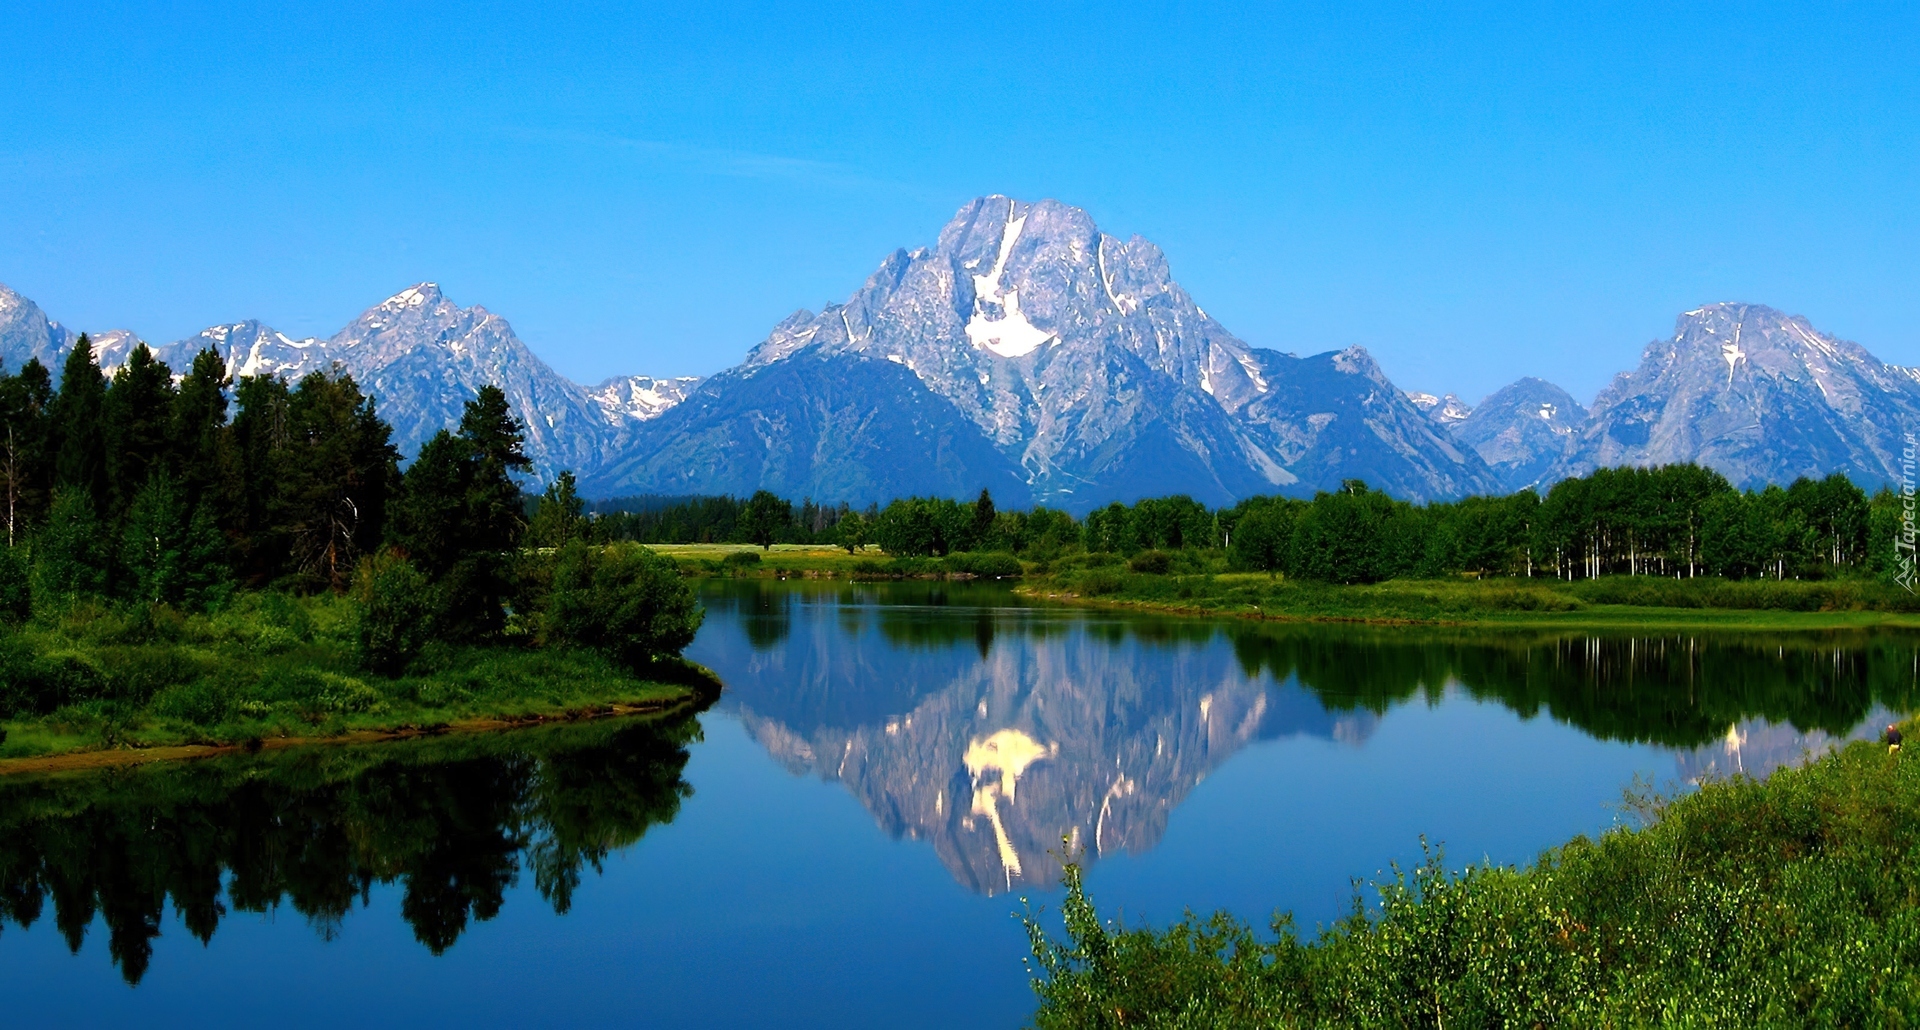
[1613,601]
[805,561]
[274,667]
[1793,901]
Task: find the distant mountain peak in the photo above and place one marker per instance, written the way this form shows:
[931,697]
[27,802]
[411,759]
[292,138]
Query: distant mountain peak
[417,295]
[1522,430]
[1757,394]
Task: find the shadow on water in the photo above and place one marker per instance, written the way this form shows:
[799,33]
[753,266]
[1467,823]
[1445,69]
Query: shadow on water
[992,728]
[454,821]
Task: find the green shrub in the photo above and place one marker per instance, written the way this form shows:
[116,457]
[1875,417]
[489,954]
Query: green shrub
[395,616]
[622,599]
[998,565]
[1097,582]
[35,684]
[136,674]
[1155,563]
[738,558]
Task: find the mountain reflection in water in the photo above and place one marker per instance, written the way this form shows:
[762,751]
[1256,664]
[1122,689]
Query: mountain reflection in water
[453,821]
[996,730]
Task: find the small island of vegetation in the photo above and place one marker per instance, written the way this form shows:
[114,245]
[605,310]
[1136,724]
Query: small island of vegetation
[173,578]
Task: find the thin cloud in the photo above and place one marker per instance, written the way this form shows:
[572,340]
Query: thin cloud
[738,164]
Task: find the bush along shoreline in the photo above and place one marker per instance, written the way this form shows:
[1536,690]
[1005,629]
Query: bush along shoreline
[1790,901]
[171,576]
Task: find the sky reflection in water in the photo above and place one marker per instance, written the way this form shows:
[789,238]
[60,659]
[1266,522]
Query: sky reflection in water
[843,839]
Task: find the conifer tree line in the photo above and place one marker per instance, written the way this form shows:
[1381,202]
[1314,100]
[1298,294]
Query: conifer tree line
[153,487]
[1676,520]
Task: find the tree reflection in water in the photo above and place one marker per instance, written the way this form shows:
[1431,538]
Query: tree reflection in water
[454,821]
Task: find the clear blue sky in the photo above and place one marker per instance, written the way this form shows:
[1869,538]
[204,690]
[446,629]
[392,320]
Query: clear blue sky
[1473,192]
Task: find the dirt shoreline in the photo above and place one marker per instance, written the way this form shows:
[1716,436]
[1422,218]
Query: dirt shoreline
[121,757]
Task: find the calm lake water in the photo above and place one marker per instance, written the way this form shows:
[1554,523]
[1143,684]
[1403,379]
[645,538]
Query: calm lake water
[844,840]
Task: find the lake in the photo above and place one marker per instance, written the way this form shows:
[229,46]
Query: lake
[846,838]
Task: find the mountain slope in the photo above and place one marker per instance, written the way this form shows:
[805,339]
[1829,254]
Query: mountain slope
[1336,416]
[834,427]
[1758,395]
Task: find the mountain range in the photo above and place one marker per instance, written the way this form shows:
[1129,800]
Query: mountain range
[1028,352]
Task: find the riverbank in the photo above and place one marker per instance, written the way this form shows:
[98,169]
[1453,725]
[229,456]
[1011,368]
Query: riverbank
[103,686]
[1618,602]
[1792,901]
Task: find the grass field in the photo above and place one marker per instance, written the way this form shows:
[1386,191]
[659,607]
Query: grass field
[1613,602]
[815,561]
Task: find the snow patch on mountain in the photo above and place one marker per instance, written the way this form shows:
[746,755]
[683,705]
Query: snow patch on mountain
[1011,335]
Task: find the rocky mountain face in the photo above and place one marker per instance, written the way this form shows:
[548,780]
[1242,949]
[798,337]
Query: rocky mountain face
[26,333]
[639,398]
[831,427]
[1449,411]
[1760,396]
[1076,356]
[1521,431]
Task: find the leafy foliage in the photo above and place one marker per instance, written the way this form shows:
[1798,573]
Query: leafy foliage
[1788,902]
[622,599]
[395,613]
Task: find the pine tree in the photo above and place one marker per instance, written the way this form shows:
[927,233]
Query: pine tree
[331,478]
[429,523]
[496,445]
[260,437]
[561,515]
[139,414]
[203,444]
[981,532]
[77,427]
[68,561]
[460,513]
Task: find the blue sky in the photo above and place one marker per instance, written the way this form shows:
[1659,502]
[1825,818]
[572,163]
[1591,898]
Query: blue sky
[1472,192]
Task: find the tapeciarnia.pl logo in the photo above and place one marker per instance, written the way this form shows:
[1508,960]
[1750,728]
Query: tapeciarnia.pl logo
[1903,541]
